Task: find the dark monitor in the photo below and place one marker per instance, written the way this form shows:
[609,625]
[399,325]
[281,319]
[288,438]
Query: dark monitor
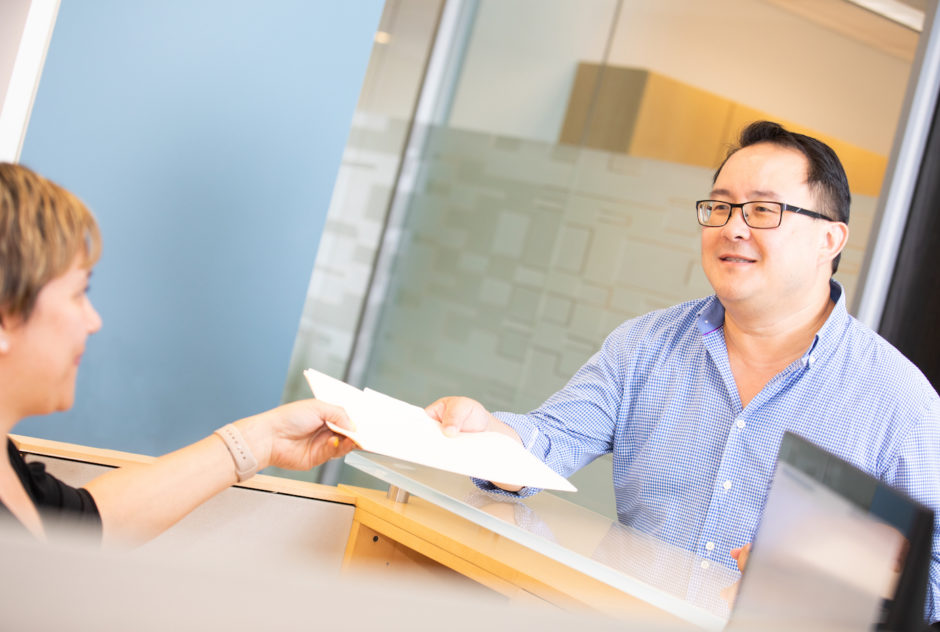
[836,549]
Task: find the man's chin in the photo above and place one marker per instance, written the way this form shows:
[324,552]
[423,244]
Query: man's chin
[735,295]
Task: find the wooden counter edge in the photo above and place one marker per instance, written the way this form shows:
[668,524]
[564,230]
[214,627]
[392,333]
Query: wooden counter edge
[486,556]
[115,458]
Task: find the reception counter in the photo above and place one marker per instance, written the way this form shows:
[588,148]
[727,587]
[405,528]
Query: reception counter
[539,552]
[541,548]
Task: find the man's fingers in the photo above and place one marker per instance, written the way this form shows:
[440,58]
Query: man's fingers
[741,554]
[436,410]
[443,411]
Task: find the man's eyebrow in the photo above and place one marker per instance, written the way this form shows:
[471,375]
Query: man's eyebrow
[757,194]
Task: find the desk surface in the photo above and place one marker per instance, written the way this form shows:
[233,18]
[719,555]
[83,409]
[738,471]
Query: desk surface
[115,458]
[639,565]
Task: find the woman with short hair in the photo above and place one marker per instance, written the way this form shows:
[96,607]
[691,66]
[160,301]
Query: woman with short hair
[49,242]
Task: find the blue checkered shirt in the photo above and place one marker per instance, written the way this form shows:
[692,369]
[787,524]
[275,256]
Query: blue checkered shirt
[691,466]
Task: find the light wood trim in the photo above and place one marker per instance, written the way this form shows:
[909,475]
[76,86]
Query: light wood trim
[115,458]
[380,555]
[492,560]
[679,123]
[367,524]
[603,107]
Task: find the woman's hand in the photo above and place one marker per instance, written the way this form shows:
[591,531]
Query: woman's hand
[295,436]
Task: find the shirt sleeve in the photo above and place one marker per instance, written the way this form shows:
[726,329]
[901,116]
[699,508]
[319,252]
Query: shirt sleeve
[917,472]
[576,424]
[58,502]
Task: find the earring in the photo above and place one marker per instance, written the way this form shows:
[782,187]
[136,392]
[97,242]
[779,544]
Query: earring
[4,345]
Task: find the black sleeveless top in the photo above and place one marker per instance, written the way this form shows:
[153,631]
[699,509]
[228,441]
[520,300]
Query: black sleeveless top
[54,500]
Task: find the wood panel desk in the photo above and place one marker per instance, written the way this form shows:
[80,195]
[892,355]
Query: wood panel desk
[541,550]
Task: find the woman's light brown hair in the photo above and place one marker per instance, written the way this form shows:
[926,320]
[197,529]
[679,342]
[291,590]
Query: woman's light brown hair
[43,228]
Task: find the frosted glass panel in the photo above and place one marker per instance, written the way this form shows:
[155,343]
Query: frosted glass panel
[518,257]
[552,199]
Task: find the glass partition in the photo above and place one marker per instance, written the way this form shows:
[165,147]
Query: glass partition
[552,198]
[556,199]
[644,567]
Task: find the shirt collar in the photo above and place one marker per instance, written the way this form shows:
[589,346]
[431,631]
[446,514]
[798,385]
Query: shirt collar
[712,317]
[826,339]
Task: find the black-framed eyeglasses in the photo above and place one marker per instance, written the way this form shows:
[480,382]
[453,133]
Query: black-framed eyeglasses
[757,214]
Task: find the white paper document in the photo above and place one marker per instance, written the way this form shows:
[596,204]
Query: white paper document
[389,426]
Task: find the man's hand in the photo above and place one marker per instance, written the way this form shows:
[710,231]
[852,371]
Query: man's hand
[462,414]
[740,555]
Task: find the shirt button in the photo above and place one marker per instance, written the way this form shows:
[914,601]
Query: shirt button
[704,564]
[741,423]
[727,485]
[710,546]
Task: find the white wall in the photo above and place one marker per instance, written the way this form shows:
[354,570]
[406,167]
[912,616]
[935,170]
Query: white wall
[772,60]
[12,19]
[521,62]
[525,52]
[25,28]
[206,137]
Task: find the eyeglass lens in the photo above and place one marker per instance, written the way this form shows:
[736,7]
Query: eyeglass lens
[756,214]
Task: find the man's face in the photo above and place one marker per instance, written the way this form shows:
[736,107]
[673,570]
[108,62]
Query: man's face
[764,270]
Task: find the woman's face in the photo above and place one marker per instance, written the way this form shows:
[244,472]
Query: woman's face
[46,349]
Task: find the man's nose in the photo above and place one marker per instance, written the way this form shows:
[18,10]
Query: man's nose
[736,226]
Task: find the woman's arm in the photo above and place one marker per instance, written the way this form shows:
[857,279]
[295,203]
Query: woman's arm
[139,502]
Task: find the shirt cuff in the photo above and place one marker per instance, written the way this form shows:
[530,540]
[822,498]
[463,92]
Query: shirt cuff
[487,486]
[528,430]
[532,439]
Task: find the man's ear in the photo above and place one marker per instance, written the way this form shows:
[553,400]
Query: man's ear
[832,241]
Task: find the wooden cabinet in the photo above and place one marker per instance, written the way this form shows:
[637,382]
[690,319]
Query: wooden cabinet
[645,114]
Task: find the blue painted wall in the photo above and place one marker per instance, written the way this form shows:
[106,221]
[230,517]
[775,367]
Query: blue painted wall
[206,137]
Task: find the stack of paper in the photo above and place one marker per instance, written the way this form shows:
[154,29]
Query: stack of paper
[389,426]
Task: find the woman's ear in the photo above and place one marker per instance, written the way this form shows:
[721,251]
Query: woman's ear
[4,333]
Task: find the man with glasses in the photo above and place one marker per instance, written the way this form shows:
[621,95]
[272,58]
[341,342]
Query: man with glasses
[693,400]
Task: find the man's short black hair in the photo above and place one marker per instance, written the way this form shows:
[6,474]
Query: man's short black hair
[826,175]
